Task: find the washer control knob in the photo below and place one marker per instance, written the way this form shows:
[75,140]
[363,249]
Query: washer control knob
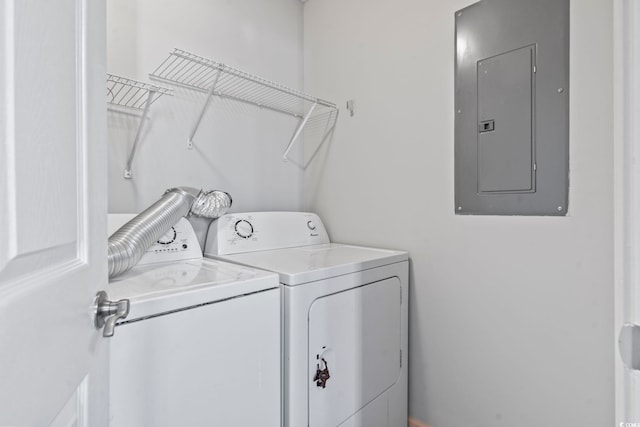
[244,229]
[169,237]
[311,225]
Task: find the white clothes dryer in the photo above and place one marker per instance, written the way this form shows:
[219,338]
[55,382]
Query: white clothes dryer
[201,344]
[344,317]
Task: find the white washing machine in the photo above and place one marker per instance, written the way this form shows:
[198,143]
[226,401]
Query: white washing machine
[344,317]
[201,344]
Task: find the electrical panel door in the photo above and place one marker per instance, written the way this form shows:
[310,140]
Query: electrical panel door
[505,122]
[512,108]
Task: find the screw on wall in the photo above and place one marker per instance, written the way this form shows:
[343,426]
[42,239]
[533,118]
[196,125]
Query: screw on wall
[351,106]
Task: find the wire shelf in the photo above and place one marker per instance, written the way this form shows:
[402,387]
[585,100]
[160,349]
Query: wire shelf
[133,94]
[195,72]
[191,71]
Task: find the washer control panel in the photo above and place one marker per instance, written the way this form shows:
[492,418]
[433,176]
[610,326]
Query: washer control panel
[178,243]
[259,231]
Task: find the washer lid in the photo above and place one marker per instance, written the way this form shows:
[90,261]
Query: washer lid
[317,262]
[160,288]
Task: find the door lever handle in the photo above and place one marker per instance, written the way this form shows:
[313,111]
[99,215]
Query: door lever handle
[107,313]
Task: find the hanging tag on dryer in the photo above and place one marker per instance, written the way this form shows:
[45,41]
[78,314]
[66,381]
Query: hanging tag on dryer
[322,374]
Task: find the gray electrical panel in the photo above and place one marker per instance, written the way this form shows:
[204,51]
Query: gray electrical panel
[512,108]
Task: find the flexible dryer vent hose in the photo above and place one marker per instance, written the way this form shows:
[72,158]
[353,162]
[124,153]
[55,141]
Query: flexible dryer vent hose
[130,242]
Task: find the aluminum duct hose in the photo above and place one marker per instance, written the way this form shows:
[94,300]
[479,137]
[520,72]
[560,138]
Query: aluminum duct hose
[130,242]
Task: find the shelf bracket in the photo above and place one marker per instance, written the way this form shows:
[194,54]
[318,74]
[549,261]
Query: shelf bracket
[204,109]
[329,131]
[134,147]
[296,134]
[324,138]
[133,95]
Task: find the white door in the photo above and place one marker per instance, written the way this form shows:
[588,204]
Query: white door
[627,184]
[53,367]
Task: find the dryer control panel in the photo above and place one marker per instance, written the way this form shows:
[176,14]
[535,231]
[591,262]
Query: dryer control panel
[260,231]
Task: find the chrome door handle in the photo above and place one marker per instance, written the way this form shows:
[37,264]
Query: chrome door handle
[107,313]
[629,345]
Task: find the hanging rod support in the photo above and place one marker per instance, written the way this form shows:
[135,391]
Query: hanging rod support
[204,108]
[149,101]
[296,134]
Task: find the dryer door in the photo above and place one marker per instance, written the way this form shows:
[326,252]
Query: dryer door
[354,351]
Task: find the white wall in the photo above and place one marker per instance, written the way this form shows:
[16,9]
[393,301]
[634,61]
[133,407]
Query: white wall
[238,148]
[511,318]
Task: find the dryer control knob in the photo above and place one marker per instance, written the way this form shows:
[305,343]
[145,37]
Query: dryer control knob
[244,229]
